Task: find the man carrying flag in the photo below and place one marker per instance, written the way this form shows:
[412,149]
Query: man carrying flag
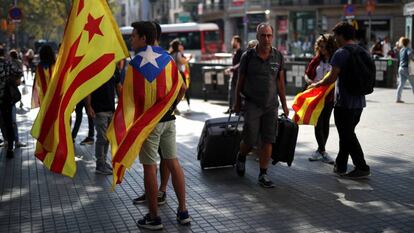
[91,46]
[144,121]
[348,107]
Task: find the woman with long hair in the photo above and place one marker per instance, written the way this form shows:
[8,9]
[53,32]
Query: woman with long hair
[43,74]
[319,66]
[177,53]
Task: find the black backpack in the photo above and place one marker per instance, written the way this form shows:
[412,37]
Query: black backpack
[360,71]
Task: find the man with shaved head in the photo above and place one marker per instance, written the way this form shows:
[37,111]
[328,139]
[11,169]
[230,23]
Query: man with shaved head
[261,80]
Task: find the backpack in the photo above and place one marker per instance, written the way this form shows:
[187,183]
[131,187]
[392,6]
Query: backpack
[4,77]
[9,92]
[360,71]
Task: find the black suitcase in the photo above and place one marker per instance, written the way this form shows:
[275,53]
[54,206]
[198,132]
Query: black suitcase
[284,147]
[219,142]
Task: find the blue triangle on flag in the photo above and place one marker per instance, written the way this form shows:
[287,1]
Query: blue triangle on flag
[144,64]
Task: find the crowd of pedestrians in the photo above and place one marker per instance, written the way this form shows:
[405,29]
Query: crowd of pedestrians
[256,90]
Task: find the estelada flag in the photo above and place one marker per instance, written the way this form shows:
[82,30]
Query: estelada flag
[151,86]
[40,83]
[92,44]
[309,104]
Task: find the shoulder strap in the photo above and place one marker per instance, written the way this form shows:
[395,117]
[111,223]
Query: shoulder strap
[249,54]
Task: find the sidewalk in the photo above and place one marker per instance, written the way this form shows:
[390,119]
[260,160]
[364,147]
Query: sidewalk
[308,197]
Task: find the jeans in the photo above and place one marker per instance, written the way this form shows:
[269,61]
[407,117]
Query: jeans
[15,128]
[403,77]
[102,121]
[6,115]
[78,121]
[322,127]
[346,120]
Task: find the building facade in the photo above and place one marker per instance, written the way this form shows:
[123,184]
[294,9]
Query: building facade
[409,16]
[128,13]
[297,27]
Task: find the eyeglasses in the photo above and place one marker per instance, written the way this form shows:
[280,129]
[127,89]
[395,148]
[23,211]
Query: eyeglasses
[266,35]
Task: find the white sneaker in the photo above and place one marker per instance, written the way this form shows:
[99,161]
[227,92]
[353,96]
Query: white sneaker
[316,156]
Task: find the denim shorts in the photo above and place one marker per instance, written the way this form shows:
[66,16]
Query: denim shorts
[162,137]
[260,124]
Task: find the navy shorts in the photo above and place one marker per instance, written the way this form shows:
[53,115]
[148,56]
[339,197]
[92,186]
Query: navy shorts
[260,124]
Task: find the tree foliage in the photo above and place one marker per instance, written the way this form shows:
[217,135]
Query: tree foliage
[42,19]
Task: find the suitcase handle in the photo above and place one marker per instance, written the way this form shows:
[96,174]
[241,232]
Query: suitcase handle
[228,126]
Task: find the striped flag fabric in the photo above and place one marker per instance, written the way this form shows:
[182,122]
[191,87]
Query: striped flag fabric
[41,81]
[152,84]
[91,46]
[308,105]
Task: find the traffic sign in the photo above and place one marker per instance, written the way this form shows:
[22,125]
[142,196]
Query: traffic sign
[349,11]
[15,14]
[370,7]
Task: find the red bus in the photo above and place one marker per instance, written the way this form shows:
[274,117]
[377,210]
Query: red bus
[200,39]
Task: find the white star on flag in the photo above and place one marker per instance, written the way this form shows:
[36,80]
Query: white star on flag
[149,56]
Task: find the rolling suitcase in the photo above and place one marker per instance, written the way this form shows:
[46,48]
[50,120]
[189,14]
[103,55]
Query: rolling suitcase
[219,142]
[287,135]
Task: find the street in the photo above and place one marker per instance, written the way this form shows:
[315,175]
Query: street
[308,196]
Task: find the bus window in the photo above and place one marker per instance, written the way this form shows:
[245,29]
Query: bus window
[201,40]
[211,36]
[190,40]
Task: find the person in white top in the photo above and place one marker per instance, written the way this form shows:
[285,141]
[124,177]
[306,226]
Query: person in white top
[319,66]
[386,46]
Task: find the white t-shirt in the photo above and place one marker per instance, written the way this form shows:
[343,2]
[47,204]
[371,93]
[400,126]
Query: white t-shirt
[321,70]
[386,47]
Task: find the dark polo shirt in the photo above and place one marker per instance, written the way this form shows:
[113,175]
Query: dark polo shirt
[261,76]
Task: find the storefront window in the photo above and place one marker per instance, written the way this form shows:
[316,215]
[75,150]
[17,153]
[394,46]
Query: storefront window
[282,27]
[302,28]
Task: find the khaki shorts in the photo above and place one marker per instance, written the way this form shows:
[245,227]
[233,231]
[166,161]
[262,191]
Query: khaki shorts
[162,137]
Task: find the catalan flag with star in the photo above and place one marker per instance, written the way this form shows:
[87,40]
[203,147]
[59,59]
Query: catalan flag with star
[309,104]
[152,84]
[91,46]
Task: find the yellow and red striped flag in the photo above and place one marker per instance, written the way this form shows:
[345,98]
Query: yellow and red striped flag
[308,105]
[41,81]
[92,44]
[152,84]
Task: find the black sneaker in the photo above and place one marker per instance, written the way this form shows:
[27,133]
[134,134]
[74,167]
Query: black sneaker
[183,217]
[139,200]
[240,166]
[150,224]
[265,182]
[356,174]
[102,169]
[161,197]
[337,171]
[20,144]
[142,199]
[10,154]
[87,141]
[107,165]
